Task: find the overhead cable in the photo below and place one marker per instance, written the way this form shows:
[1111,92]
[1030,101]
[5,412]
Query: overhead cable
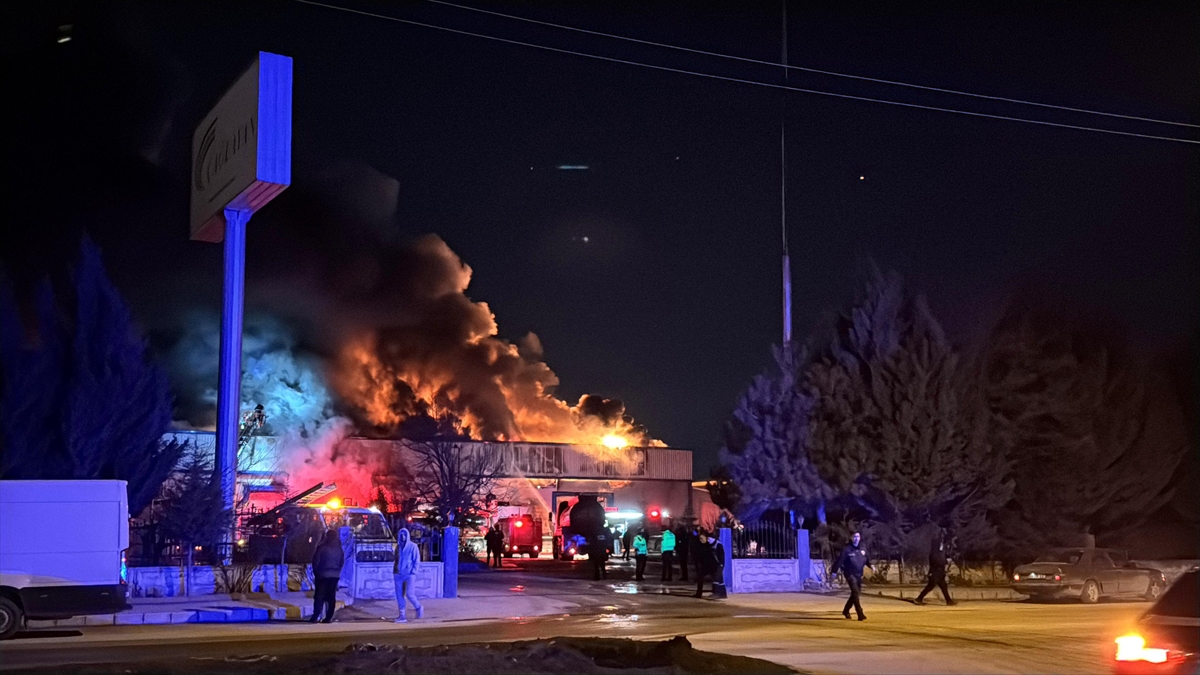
[744,81]
[807,69]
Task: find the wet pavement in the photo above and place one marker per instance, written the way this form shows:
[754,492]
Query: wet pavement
[533,599]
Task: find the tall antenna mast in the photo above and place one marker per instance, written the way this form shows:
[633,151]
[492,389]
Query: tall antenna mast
[787,264]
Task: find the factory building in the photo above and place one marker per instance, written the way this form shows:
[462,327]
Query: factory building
[538,478]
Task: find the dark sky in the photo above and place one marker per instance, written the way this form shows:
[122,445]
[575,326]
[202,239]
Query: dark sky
[673,303]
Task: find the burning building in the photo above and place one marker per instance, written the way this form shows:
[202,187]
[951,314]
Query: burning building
[537,478]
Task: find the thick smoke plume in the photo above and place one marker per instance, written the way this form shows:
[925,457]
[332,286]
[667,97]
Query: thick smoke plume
[353,329]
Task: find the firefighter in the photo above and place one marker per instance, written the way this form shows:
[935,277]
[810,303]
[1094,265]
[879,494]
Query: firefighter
[668,555]
[851,563]
[640,550]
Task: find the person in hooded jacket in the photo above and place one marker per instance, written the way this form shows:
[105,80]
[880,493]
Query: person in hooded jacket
[404,571]
[327,564]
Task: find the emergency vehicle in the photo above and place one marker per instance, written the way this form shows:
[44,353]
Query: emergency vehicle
[522,534]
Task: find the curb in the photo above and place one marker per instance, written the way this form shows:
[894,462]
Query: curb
[200,615]
[959,593]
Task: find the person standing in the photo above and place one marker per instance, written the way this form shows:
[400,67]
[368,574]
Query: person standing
[489,542]
[640,551]
[851,563]
[683,547]
[327,564]
[626,542]
[718,570]
[598,554]
[668,555]
[937,570]
[404,573]
[498,540]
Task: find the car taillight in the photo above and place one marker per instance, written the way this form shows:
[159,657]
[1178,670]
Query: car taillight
[1058,577]
[1016,577]
[1133,648]
[572,551]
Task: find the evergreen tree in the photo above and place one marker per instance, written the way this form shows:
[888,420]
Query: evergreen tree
[1096,436]
[34,374]
[899,426]
[194,513]
[765,453]
[95,408]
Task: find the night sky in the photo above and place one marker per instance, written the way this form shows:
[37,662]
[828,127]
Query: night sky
[673,300]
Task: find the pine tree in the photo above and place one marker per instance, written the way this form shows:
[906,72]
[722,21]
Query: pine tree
[34,376]
[765,453]
[195,513]
[85,402]
[1095,435]
[899,426]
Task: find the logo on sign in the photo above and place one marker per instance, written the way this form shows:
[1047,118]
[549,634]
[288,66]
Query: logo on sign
[212,157]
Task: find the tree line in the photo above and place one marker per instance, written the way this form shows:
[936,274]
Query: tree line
[1049,429]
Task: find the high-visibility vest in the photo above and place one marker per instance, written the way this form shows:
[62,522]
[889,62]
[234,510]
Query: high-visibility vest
[668,541]
[639,545]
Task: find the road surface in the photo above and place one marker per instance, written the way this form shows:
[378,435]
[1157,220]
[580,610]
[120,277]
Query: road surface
[806,632]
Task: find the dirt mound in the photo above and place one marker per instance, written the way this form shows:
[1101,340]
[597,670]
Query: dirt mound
[577,656]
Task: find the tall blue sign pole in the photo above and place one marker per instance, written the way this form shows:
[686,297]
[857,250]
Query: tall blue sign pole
[241,159]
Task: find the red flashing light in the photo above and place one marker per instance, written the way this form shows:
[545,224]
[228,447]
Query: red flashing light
[520,524]
[654,513]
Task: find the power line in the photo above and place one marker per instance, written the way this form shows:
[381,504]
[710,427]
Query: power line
[786,67]
[744,81]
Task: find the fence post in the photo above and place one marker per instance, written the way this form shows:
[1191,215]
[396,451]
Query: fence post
[450,562]
[725,536]
[803,556]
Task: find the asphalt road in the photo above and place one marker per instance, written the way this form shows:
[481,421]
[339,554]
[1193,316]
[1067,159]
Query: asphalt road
[806,632]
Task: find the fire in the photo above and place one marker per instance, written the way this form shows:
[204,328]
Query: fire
[511,401]
[614,441]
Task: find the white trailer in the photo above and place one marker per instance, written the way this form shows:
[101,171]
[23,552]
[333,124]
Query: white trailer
[62,549]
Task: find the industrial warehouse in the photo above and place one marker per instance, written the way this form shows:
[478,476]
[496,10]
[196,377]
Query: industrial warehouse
[538,479]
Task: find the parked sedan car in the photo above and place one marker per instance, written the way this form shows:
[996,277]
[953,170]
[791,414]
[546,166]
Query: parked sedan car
[1165,639]
[1088,574]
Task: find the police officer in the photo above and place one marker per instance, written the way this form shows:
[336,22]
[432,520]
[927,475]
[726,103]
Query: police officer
[937,570]
[668,555]
[851,563]
[640,551]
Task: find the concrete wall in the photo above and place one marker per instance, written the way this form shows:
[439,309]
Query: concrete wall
[766,575]
[374,581]
[370,581]
[168,582]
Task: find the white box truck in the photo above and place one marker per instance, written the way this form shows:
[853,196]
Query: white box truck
[62,549]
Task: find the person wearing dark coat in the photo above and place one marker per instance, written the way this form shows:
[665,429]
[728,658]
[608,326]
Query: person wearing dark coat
[683,548]
[598,549]
[497,546]
[851,563]
[626,542]
[710,566]
[327,564]
[937,571]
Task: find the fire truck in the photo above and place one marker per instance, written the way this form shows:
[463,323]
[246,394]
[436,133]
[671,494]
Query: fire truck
[522,534]
[290,532]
